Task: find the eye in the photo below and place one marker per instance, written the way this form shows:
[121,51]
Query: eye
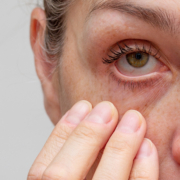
[135,59]
[137,64]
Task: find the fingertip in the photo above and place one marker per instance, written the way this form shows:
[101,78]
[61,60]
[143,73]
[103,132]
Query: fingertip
[146,149]
[139,114]
[82,104]
[78,112]
[113,109]
[141,117]
[88,103]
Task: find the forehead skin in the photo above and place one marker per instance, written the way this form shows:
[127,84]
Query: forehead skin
[82,75]
[157,16]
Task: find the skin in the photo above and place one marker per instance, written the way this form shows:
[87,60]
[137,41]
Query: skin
[81,75]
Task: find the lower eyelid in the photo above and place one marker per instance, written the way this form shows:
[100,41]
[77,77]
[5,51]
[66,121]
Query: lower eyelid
[139,82]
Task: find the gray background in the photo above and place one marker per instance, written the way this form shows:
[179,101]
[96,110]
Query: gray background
[24,125]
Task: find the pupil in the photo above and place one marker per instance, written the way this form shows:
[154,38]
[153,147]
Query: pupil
[138,56]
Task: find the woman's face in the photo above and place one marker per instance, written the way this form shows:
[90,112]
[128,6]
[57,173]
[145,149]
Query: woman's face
[127,52]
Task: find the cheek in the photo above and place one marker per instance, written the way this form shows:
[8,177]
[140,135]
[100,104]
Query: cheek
[163,128]
[78,81]
[159,104]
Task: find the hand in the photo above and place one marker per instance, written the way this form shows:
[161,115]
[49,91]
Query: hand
[82,133]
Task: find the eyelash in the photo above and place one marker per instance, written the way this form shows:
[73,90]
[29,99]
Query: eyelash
[126,50]
[132,84]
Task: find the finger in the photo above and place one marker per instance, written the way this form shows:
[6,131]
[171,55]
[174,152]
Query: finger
[82,147]
[146,165]
[57,138]
[121,149]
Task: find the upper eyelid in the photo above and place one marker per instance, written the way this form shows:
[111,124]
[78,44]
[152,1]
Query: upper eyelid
[143,49]
[128,49]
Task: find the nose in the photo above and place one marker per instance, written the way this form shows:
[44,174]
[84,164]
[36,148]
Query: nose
[176,146]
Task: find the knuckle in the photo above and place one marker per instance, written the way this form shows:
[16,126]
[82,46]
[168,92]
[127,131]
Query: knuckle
[54,174]
[139,175]
[118,145]
[58,138]
[85,133]
[36,171]
[61,135]
[48,177]
[33,177]
[105,175]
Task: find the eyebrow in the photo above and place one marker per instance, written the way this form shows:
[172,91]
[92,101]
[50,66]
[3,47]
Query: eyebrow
[157,17]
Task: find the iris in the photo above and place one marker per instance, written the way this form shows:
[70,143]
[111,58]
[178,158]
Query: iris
[137,59]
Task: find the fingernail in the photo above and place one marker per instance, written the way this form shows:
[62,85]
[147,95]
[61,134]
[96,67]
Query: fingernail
[78,112]
[130,122]
[102,113]
[145,149]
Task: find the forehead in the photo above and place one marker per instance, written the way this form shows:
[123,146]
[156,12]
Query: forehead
[163,14]
[150,2]
[168,5]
